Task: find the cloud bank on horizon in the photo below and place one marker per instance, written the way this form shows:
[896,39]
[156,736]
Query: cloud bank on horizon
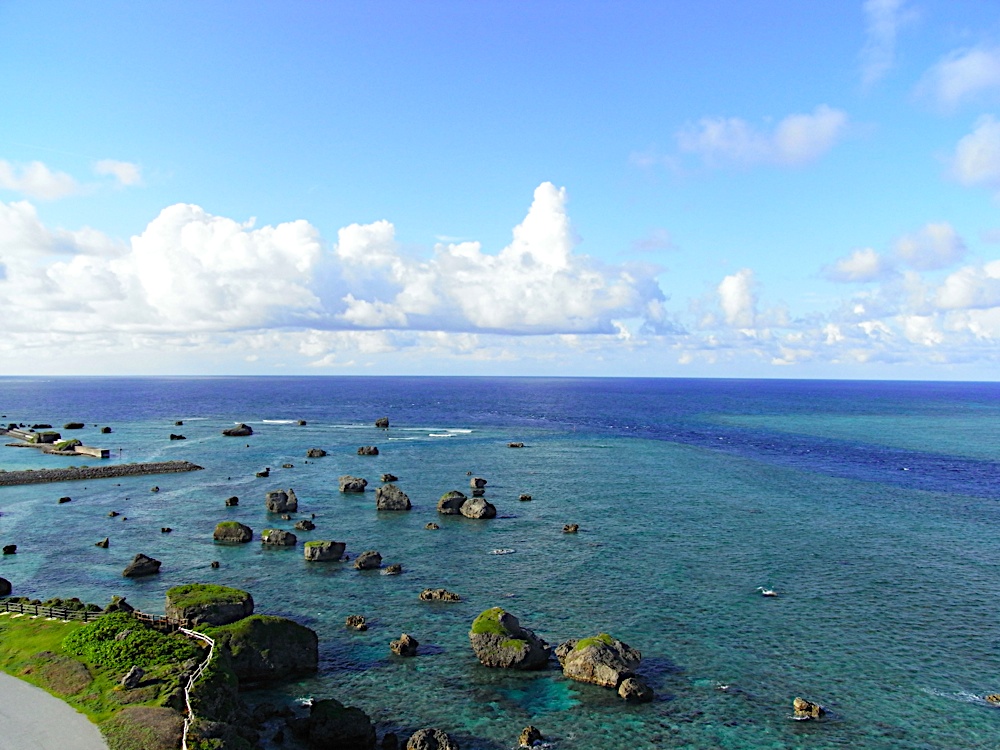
[838,231]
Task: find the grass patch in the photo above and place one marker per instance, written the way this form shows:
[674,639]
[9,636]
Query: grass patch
[489,622]
[201,594]
[597,640]
[517,643]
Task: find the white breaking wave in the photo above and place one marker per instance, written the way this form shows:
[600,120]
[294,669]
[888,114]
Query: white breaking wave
[279,421]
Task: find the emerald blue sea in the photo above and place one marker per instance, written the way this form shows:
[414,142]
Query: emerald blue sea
[872,508]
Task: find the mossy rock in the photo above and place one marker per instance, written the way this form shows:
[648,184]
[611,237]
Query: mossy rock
[208,604]
[66,445]
[498,640]
[598,639]
[232,532]
[265,648]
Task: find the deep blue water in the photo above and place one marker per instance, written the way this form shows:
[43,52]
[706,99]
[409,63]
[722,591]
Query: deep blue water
[871,507]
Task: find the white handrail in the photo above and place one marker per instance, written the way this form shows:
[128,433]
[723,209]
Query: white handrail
[194,678]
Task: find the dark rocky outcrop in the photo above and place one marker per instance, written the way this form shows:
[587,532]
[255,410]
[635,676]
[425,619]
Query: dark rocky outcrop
[431,526]
[73,426]
[333,725]
[104,543]
[431,739]
[264,648]
[529,736]
[174,436]
[179,423]
[65,500]
[232,502]
[105,430]
[240,430]
[5,587]
[322,551]
[478,507]
[133,677]
[9,549]
[806,709]
[281,501]
[450,503]
[634,690]
[370,560]
[524,497]
[515,445]
[265,473]
[304,525]
[118,604]
[206,604]
[232,532]
[356,622]
[477,483]
[367,450]
[390,478]
[278,538]
[439,595]
[315,453]
[601,660]
[141,565]
[571,528]
[382,422]
[405,645]
[392,570]
[352,484]
[499,641]
[301,423]
[390,497]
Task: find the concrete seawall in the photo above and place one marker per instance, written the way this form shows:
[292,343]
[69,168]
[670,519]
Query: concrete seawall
[38,476]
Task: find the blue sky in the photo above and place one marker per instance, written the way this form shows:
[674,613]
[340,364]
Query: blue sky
[724,189]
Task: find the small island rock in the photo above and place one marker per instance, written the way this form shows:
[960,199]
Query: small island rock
[382,422]
[806,709]
[390,497]
[390,478]
[601,660]
[280,501]
[232,532]
[206,604]
[370,560]
[141,565]
[367,450]
[240,430]
[431,739]
[356,622]
[439,595]
[478,507]
[315,453]
[450,503]
[278,538]
[332,724]
[405,645]
[634,690]
[498,640]
[529,736]
[323,551]
[352,484]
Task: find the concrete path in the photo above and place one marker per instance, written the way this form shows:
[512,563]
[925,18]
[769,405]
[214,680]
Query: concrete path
[31,719]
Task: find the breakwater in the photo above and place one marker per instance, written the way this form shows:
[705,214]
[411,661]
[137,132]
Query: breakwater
[39,476]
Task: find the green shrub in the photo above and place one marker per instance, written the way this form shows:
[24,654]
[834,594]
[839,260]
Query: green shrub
[196,594]
[141,646]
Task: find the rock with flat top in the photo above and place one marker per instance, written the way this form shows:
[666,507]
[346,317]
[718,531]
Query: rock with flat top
[450,503]
[352,484]
[601,660]
[281,501]
[240,430]
[323,551]
[370,560]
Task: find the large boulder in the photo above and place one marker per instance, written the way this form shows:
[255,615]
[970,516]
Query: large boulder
[141,565]
[602,660]
[266,648]
[370,560]
[207,604]
[352,484]
[232,532]
[368,450]
[807,709]
[478,507]
[315,453]
[450,503]
[431,739]
[499,641]
[278,538]
[240,430]
[281,501]
[634,690]
[5,587]
[332,724]
[405,645]
[390,497]
[322,551]
[382,422]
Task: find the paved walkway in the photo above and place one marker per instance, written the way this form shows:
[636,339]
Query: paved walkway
[31,719]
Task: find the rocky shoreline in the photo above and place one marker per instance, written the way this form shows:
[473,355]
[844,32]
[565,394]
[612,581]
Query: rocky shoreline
[39,476]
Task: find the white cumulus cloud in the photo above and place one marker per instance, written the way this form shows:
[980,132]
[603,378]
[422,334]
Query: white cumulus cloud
[796,139]
[36,180]
[963,75]
[977,156]
[738,299]
[861,265]
[935,246]
[972,287]
[125,173]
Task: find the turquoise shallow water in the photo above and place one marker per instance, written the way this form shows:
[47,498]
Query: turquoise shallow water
[689,495]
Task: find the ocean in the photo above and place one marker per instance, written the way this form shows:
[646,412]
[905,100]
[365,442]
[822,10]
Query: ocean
[872,508]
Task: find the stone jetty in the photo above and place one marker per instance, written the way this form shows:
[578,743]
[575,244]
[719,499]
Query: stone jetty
[39,476]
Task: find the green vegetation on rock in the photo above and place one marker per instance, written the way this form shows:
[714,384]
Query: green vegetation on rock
[518,643]
[118,642]
[201,594]
[489,622]
[65,445]
[594,641]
